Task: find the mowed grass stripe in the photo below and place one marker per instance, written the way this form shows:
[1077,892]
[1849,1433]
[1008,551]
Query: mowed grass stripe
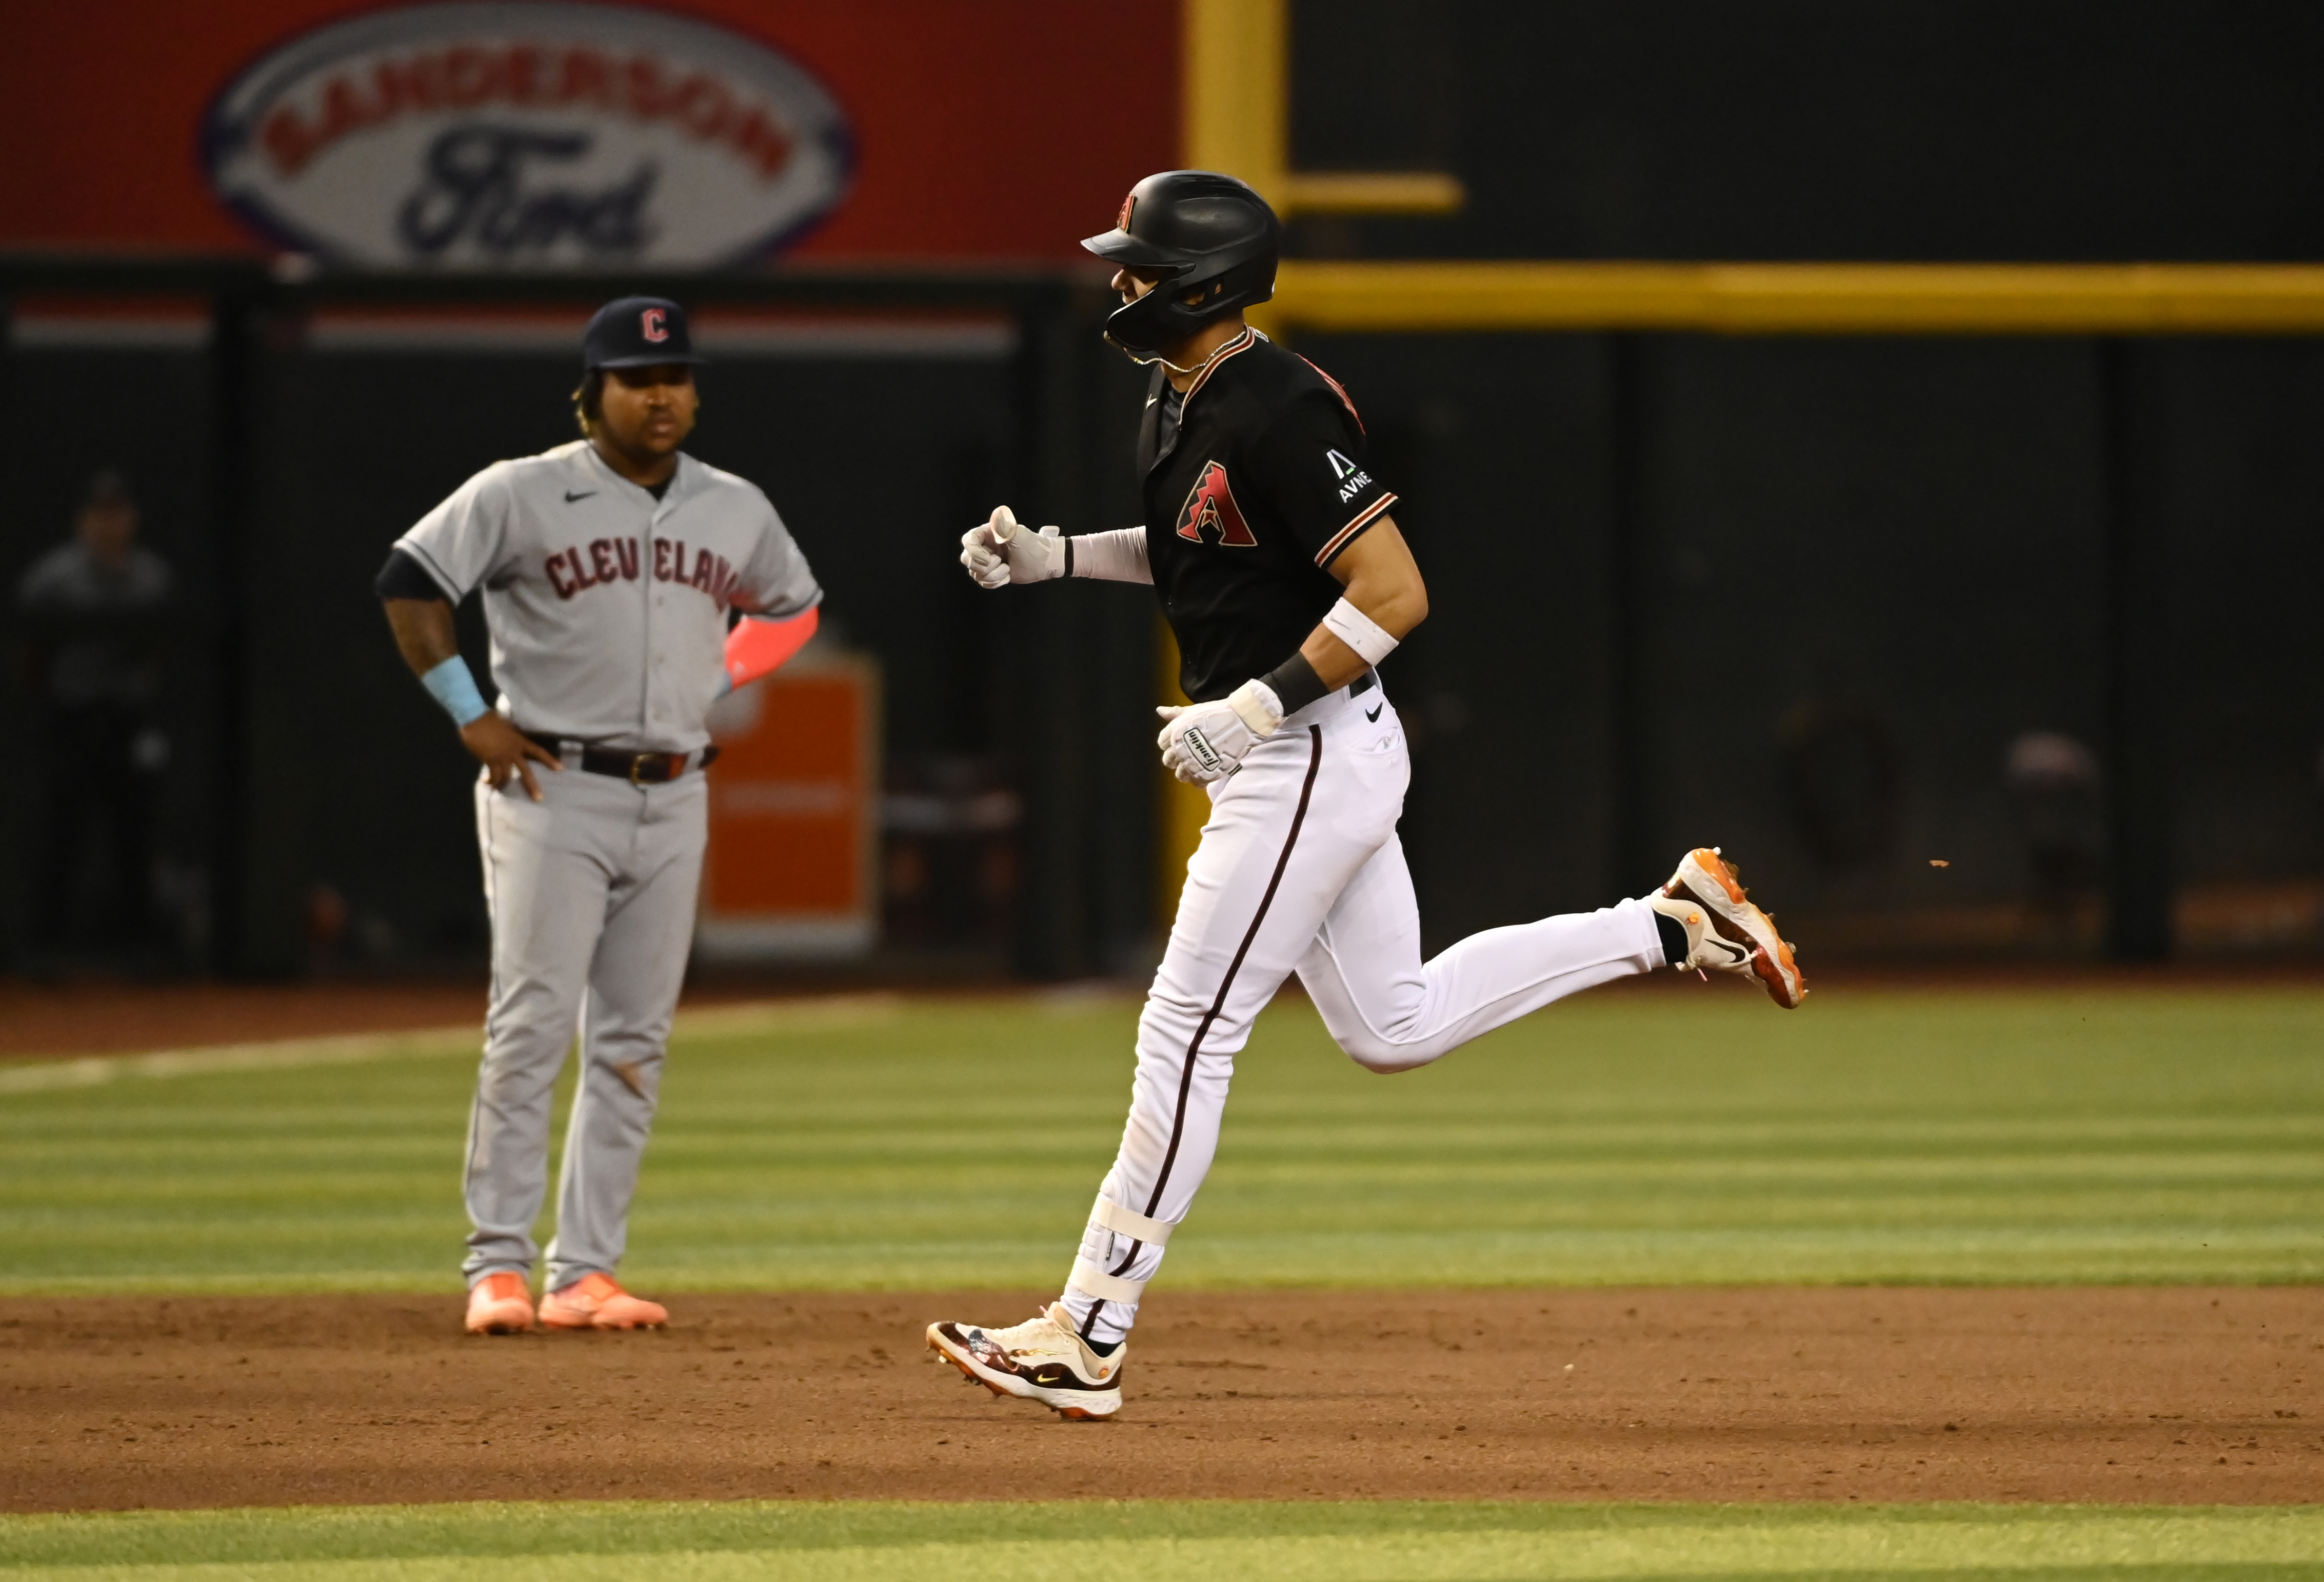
[1676,1134]
[1198,1541]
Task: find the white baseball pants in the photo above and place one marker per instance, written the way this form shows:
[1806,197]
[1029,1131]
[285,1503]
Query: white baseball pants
[592,892]
[1300,870]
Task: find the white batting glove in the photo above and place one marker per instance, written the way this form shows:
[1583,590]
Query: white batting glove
[1203,742]
[999,552]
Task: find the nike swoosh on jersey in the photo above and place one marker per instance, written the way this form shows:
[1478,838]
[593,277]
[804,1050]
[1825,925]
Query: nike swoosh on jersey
[571,497]
[1373,714]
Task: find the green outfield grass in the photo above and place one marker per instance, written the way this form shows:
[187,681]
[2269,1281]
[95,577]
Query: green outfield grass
[1203,1542]
[1681,1133]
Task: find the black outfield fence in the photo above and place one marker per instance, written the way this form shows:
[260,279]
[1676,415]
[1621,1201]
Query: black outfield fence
[1048,680]
[1803,592]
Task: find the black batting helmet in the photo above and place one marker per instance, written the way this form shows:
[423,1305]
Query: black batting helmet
[1200,231]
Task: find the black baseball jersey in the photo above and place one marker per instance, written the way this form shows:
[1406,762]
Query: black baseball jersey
[1265,481]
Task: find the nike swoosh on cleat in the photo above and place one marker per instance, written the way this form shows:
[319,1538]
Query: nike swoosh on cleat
[1049,1378]
[1373,714]
[571,497]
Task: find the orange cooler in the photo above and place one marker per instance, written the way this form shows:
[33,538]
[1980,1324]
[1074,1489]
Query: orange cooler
[794,815]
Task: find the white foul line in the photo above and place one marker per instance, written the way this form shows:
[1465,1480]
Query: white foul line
[95,1071]
[792,1016]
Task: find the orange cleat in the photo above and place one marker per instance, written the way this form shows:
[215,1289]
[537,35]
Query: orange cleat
[1725,932]
[499,1304]
[594,1302]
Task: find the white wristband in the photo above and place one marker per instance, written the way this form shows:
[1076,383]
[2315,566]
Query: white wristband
[1352,627]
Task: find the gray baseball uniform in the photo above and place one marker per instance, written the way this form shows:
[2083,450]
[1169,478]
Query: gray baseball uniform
[608,610]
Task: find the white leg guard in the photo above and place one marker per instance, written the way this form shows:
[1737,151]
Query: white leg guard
[1120,1252]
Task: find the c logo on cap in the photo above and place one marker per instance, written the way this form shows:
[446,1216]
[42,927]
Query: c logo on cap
[652,324]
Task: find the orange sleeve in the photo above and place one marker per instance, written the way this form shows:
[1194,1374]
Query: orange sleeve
[757,647]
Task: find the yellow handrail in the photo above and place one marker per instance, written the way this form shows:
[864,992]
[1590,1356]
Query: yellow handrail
[1805,298]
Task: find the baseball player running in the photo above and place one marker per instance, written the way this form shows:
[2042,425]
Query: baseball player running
[610,568]
[1269,543]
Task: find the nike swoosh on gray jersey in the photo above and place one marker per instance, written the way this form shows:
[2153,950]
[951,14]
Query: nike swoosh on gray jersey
[631,655]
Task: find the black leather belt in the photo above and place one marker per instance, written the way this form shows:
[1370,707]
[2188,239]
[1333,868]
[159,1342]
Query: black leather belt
[1363,683]
[639,769]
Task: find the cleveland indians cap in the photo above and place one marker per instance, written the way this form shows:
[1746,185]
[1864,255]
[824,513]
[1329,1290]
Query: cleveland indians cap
[638,332]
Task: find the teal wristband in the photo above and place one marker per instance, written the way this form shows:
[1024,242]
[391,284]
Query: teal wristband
[451,684]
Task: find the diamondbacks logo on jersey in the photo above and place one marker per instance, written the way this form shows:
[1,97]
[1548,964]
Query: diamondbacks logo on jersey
[1210,510]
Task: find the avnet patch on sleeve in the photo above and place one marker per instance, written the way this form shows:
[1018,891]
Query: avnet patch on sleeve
[1314,470]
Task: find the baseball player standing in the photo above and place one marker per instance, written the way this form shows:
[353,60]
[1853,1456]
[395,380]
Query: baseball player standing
[609,567]
[1269,543]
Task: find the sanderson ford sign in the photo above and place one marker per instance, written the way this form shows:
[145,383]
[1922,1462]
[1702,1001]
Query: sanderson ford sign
[527,136]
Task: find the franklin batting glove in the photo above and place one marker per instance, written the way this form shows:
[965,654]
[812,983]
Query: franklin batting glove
[1207,742]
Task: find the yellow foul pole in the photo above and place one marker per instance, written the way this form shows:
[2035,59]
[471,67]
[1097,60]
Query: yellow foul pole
[1236,62]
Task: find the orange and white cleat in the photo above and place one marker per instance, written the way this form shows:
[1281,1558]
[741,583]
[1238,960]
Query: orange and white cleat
[1040,1359]
[594,1302]
[1725,933]
[500,1304]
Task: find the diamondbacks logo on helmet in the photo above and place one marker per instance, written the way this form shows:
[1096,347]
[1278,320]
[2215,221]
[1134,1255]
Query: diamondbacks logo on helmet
[1129,208]
[1210,510]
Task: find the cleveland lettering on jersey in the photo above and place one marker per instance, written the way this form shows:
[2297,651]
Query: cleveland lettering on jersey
[618,637]
[605,560]
[711,573]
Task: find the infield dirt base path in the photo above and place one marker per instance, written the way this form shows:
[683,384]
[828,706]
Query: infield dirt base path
[2176,1394]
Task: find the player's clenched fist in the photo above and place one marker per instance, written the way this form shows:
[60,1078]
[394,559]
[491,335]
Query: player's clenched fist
[1203,742]
[997,552]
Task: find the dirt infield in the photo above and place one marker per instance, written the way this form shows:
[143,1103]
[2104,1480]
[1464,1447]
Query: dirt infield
[2171,1394]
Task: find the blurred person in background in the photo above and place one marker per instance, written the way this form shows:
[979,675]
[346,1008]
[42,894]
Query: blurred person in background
[94,612]
[2057,797]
